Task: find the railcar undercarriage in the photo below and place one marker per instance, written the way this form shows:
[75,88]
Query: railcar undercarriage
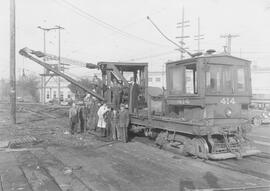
[196,142]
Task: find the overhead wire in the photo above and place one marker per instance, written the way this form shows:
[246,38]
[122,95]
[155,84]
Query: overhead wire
[108,26]
[152,56]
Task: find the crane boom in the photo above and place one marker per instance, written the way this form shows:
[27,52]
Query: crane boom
[26,53]
[64,61]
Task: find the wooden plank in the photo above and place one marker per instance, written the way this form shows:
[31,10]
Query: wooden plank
[96,171]
[14,179]
[37,176]
[66,181]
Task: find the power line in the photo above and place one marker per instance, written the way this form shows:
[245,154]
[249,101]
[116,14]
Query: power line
[152,56]
[107,25]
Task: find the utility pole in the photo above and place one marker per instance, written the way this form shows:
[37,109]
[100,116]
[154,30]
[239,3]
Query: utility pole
[59,59]
[182,25]
[199,36]
[43,77]
[229,41]
[12,62]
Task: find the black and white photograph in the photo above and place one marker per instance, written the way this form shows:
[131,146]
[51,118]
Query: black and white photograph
[125,95]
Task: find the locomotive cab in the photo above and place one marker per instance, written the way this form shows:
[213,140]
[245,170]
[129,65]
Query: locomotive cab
[215,91]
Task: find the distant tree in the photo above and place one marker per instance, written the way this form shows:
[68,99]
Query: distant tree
[4,89]
[80,93]
[30,85]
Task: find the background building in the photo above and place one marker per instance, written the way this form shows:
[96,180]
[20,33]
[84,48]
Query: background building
[157,79]
[51,91]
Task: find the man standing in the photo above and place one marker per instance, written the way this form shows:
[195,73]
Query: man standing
[82,116]
[116,90]
[115,125]
[124,122]
[101,121]
[88,108]
[133,96]
[73,118]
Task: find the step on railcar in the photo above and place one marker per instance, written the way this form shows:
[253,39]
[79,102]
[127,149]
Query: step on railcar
[204,108]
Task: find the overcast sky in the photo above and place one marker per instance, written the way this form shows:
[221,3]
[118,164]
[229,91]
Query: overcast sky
[117,30]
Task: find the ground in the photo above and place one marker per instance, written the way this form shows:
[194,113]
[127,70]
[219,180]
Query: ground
[41,156]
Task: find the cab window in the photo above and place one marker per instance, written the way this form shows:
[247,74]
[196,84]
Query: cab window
[219,79]
[183,79]
[191,79]
[213,78]
[176,76]
[241,85]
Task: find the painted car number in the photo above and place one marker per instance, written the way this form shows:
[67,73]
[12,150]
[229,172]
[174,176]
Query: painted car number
[227,100]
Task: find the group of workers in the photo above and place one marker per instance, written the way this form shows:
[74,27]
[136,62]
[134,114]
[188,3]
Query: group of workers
[111,120]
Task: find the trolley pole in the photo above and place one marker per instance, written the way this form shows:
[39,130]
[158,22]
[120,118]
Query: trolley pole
[12,63]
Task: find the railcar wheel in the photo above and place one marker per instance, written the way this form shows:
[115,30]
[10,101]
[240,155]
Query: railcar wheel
[197,147]
[256,121]
[202,149]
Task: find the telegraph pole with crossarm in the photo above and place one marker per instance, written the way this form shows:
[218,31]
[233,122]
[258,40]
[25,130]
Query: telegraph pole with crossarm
[199,36]
[183,24]
[229,41]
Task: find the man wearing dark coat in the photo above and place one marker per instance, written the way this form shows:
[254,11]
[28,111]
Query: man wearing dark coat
[73,118]
[124,122]
[133,98]
[116,91]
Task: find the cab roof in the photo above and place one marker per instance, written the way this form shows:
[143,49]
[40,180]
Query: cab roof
[210,56]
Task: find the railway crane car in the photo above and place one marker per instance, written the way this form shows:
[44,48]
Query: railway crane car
[204,108]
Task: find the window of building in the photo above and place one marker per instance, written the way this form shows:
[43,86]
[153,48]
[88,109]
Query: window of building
[48,95]
[61,95]
[149,79]
[54,94]
[158,79]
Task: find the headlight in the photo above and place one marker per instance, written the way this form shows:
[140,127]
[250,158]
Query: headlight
[228,112]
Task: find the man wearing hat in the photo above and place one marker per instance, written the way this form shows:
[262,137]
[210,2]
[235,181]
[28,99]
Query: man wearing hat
[133,95]
[116,91]
[82,113]
[124,122]
[73,117]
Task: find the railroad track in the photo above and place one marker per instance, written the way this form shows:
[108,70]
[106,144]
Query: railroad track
[256,166]
[44,111]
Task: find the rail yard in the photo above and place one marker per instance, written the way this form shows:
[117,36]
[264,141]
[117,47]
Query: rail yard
[121,96]
[56,161]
